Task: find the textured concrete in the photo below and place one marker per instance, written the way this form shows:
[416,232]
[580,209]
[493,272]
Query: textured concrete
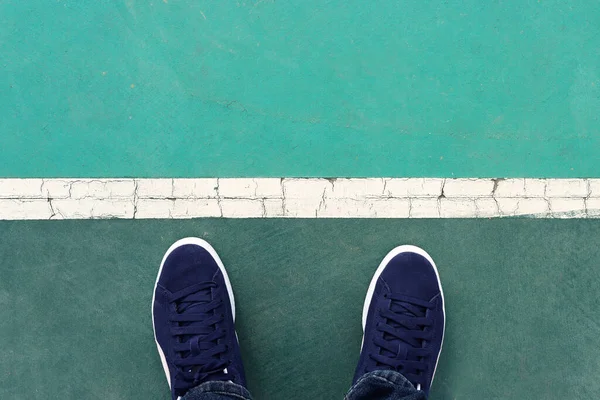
[292,197]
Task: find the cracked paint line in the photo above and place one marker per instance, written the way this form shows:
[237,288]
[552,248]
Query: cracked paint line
[132,198]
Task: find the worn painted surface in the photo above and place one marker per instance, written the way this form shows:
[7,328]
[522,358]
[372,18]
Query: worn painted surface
[299,88]
[293,197]
[521,297]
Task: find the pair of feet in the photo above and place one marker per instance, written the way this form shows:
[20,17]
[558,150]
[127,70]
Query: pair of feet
[193,312]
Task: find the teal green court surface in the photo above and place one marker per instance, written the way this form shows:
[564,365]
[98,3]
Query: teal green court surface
[522,304]
[188,88]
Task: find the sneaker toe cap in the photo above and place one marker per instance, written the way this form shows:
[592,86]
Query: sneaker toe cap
[413,275]
[187,265]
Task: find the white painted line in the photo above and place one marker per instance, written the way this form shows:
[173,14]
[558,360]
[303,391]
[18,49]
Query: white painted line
[132,198]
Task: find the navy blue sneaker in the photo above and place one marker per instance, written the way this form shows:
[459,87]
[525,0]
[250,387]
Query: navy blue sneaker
[193,313]
[403,318]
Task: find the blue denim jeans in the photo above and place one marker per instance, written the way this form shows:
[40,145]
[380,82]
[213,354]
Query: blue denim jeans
[377,385]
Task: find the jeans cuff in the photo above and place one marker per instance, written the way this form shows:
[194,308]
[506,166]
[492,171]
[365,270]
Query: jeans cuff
[391,376]
[229,389]
[383,384]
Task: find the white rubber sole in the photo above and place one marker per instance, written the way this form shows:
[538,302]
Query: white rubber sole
[213,253]
[384,263]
